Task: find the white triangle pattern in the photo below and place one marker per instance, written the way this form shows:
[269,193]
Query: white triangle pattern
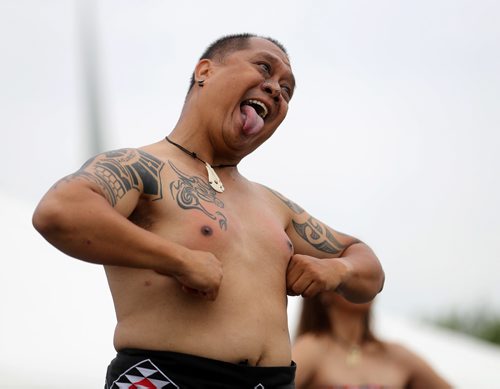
[134,378]
[122,385]
[159,384]
[146,372]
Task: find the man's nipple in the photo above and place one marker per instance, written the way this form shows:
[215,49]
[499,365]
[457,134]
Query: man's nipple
[206,231]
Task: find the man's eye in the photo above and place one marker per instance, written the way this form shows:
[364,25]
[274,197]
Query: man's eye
[287,91]
[265,67]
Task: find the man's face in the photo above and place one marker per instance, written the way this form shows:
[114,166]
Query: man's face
[248,94]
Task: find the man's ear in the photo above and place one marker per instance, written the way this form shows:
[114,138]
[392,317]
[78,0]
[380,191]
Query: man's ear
[203,69]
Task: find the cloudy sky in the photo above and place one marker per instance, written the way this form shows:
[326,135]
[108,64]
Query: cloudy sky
[393,134]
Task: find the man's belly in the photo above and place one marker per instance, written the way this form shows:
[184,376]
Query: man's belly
[244,323]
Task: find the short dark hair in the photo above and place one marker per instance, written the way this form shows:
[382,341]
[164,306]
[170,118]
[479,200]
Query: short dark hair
[228,44]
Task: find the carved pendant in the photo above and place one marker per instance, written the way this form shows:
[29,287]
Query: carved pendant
[353,356]
[213,179]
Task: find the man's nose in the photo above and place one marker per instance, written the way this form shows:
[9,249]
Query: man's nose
[272,88]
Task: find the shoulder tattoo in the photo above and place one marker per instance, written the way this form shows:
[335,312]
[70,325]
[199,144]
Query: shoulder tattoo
[119,171]
[192,192]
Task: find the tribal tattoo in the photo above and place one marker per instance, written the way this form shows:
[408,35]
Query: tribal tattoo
[318,235]
[192,192]
[119,171]
[312,231]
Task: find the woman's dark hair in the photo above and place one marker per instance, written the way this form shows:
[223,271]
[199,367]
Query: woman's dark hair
[314,319]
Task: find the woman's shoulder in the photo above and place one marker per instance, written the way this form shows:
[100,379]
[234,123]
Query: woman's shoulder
[312,343]
[403,354]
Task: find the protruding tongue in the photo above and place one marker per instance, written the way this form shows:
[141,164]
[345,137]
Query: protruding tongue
[252,122]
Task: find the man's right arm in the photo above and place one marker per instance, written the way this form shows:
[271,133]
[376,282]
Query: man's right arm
[85,216]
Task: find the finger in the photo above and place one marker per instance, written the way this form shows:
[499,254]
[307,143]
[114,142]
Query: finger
[296,278]
[289,289]
[301,284]
[291,278]
[293,273]
[191,291]
[297,266]
[312,290]
[210,295]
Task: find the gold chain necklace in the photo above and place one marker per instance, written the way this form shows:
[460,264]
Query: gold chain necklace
[213,179]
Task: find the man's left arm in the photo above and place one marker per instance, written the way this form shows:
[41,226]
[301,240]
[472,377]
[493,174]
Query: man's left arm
[325,259]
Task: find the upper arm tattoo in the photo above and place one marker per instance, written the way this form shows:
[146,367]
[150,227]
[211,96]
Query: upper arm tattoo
[312,231]
[192,192]
[119,171]
[318,235]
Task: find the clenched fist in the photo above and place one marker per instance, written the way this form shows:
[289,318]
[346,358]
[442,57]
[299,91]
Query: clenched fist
[200,274]
[308,276]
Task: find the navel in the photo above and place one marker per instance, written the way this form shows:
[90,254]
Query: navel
[206,231]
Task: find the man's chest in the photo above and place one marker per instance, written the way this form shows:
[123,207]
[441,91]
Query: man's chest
[192,214]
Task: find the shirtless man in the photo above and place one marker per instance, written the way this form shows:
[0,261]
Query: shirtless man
[199,260]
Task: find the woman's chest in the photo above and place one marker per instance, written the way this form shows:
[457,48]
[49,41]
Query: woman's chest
[368,371]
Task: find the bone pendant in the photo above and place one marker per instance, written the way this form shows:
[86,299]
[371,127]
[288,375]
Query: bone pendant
[213,179]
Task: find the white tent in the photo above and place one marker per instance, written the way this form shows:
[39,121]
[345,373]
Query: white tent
[57,320]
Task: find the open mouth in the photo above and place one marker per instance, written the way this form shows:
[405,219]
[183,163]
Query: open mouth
[259,107]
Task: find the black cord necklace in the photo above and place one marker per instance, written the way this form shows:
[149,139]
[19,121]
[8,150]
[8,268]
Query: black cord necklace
[213,178]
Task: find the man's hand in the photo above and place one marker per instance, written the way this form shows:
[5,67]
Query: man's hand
[201,274]
[308,276]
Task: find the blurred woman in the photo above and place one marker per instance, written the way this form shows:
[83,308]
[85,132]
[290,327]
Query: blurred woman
[336,349]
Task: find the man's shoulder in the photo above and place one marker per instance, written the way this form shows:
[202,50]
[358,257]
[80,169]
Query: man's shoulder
[155,152]
[284,200]
[126,156]
[268,191]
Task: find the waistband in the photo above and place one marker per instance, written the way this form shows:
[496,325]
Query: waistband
[190,371]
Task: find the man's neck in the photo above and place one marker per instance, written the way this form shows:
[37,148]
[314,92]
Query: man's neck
[196,135]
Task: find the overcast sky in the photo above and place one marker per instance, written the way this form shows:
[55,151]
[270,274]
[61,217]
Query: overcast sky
[392,135]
